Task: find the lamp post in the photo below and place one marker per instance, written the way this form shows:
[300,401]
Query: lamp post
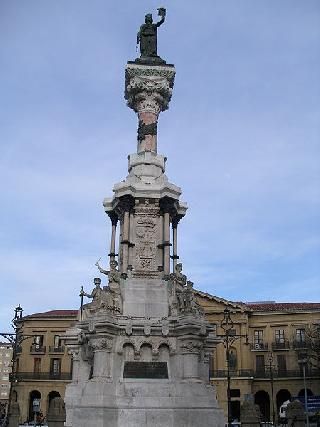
[303,363]
[15,339]
[270,366]
[228,338]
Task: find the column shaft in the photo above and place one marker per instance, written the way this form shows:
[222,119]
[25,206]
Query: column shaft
[166,243]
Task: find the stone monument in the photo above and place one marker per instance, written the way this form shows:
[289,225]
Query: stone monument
[141,348]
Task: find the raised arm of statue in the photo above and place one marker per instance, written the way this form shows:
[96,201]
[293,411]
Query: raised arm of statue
[106,272]
[162,13]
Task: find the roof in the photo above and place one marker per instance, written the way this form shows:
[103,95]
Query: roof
[54,313]
[283,306]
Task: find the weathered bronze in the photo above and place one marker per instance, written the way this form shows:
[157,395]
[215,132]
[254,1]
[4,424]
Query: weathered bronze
[147,38]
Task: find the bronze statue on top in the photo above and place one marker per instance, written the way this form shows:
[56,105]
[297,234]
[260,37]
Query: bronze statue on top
[147,38]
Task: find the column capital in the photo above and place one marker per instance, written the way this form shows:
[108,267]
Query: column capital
[149,87]
[113,217]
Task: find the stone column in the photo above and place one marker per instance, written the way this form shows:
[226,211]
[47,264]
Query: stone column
[114,219]
[75,353]
[175,256]
[250,414]
[14,414]
[295,414]
[190,353]
[126,204]
[148,91]
[56,415]
[131,238]
[101,360]
[166,243]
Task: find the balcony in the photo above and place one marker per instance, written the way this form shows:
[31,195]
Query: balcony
[53,349]
[298,345]
[259,346]
[280,345]
[285,373]
[222,373]
[43,376]
[38,349]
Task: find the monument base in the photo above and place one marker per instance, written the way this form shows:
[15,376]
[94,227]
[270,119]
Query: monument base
[146,404]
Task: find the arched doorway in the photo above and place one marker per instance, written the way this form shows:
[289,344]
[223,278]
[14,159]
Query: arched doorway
[34,394]
[301,392]
[282,396]
[262,399]
[51,396]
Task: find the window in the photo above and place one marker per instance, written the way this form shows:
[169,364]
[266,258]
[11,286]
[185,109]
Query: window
[260,364]
[258,336]
[55,366]
[282,364]
[279,336]
[37,365]
[56,341]
[38,341]
[300,335]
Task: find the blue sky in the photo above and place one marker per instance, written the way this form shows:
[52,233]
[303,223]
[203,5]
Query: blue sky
[241,137]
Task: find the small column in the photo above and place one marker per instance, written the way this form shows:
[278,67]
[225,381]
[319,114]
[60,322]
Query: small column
[125,206]
[166,243]
[190,353]
[74,352]
[114,219]
[101,362]
[125,241]
[160,246]
[175,256]
[131,238]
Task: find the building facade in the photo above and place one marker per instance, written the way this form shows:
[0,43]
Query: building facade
[267,362]
[5,369]
[43,367]
[265,366]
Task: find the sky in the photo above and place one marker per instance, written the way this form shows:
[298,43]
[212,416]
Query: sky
[242,137]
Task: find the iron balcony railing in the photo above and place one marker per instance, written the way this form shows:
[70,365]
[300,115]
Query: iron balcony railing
[31,376]
[300,344]
[53,349]
[259,346]
[36,348]
[221,373]
[280,345]
[276,373]
[284,373]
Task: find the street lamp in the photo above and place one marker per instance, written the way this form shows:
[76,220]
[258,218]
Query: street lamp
[15,339]
[271,366]
[303,363]
[228,338]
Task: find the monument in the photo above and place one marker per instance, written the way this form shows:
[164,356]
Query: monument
[141,347]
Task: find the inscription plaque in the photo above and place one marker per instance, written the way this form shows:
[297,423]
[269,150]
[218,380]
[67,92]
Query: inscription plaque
[151,370]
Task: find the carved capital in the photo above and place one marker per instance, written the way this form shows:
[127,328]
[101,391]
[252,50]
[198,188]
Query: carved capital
[101,344]
[191,347]
[113,217]
[142,81]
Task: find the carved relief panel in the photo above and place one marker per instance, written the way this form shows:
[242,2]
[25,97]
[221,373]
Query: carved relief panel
[146,234]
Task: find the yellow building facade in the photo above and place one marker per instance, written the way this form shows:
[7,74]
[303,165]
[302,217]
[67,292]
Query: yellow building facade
[264,361]
[43,366]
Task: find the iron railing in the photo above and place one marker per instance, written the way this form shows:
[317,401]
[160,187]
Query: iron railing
[31,376]
[276,373]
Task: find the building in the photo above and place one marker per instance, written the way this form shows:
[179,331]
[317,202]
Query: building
[273,329]
[43,367]
[265,362]
[5,369]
